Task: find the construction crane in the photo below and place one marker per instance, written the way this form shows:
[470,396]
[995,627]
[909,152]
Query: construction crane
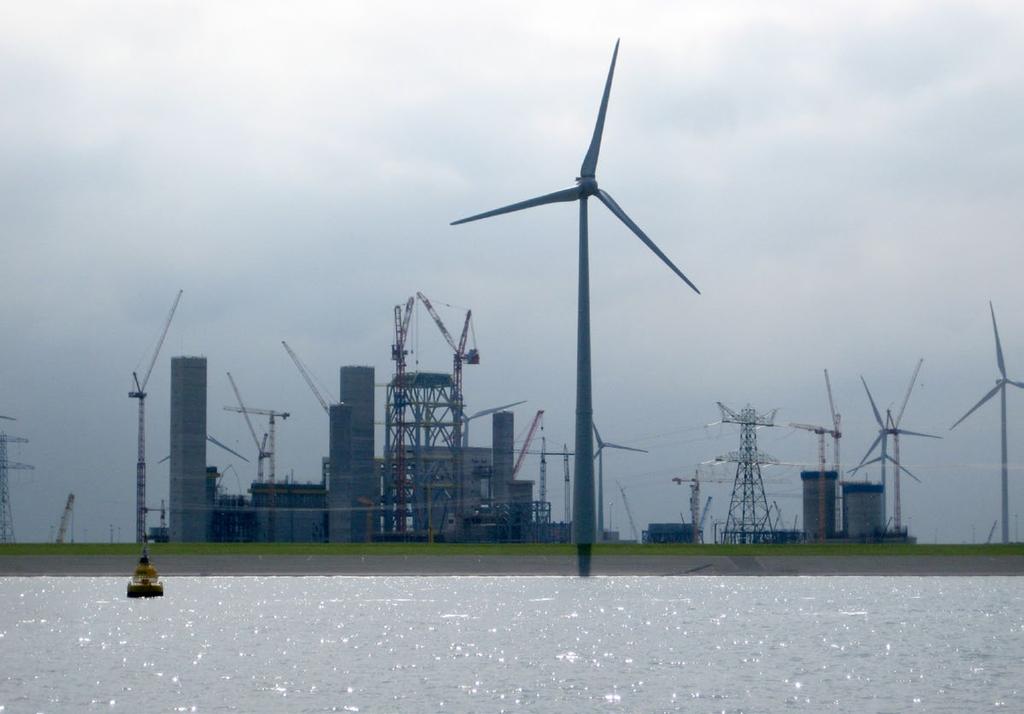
[140,393]
[991,532]
[309,379]
[163,519]
[629,512]
[694,500]
[537,421]
[398,353]
[460,356]
[703,518]
[65,519]
[543,467]
[565,463]
[262,450]
[821,431]
[837,431]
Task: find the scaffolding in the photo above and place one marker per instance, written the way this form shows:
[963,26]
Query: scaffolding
[421,450]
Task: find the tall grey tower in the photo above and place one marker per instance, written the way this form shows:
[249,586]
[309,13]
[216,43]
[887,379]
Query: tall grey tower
[190,514]
[354,481]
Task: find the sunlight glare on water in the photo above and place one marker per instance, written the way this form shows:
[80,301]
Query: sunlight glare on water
[507,643]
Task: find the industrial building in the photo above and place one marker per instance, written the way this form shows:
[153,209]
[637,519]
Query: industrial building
[428,485]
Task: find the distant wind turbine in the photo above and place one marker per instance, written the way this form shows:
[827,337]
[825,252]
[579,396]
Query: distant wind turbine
[599,455]
[1001,388]
[584,516]
[891,427]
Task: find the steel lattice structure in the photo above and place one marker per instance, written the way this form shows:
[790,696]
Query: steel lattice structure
[6,518]
[749,518]
[421,438]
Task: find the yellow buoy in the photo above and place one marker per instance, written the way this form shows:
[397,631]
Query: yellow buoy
[145,581]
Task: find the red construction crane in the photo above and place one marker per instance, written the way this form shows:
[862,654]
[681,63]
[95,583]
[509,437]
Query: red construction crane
[140,393]
[529,440]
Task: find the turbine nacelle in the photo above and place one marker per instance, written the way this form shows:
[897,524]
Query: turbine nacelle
[587,186]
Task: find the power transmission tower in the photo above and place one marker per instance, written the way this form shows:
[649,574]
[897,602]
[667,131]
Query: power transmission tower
[6,519]
[749,518]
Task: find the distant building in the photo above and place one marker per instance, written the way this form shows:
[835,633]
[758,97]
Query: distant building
[456,493]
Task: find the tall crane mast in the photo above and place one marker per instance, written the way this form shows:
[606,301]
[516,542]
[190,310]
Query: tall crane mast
[694,501]
[309,379]
[140,393]
[543,467]
[398,353]
[565,463]
[537,421]
[837,431]
[65,518]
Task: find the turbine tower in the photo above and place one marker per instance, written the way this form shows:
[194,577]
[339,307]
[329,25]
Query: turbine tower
[1001,388]
[887,428]
[599,455]
[584,530]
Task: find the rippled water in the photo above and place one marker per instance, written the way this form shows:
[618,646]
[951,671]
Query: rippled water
[491,644]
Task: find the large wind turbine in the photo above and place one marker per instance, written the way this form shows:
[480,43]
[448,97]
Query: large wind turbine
[887,428]
[599,455]
[1001,388]
[584,521]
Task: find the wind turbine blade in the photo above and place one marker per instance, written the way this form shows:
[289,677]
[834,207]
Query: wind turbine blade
[866,463]
[566,194]
[589,167]
[984,399]
[597,435]
[903,469]
[910,388]
[492,410]
[1016,384]
[607,200]
[999,346]
[878,417]
[624,448]
[876,442]
[916,433]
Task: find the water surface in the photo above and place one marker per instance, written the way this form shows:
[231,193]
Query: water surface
[431,644]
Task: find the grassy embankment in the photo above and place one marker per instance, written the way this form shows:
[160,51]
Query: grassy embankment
[530,549]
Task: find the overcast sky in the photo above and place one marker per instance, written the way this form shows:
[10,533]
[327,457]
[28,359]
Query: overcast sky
[843,181]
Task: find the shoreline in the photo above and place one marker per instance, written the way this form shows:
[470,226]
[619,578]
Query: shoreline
[234,565]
